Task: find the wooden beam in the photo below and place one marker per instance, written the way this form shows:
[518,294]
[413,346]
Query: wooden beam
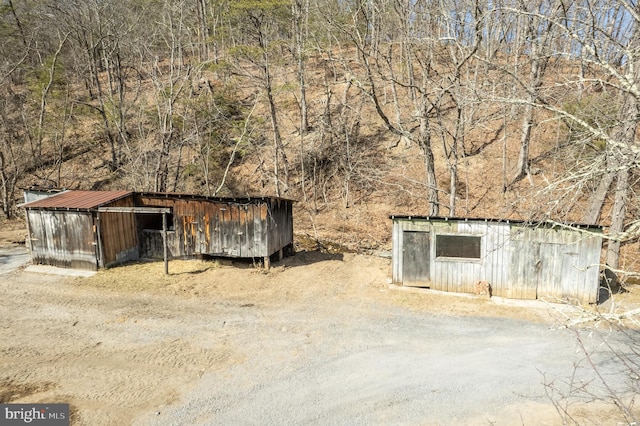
[163,210]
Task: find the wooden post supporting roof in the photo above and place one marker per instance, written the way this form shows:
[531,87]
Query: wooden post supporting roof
[134,209]
[164,243]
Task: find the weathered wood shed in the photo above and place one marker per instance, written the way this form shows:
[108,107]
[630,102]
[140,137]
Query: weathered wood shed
[66,229]
[520,260]
[92,229]
[247,227]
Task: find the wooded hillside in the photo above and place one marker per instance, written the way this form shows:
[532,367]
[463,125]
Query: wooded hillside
[356,109]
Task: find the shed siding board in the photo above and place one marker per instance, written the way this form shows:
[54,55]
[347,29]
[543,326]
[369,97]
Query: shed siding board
[276,222]
[544,269]
[248,227]
[275,218]
[119,234]
[518,260]
[497,254]
[571,283]
[246,245]
[214,230]
[279,218]
[259,228]
[223,215]
[217,241]
[556,263]
[62,238]
[285,224]
[591,261]
[254,223]
[397,253]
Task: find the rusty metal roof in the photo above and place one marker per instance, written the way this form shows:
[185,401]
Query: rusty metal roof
[77,200]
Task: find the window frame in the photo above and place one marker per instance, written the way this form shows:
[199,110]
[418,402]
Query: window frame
[440,257]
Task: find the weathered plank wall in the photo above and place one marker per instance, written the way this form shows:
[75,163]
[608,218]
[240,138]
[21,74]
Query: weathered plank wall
[556,262]
[119,235]
[279,220]
[497,253]
[520,261]
[62,238]
[252,227]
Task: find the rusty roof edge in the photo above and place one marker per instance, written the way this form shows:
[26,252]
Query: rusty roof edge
[35,204]
[22,205]
[546,222]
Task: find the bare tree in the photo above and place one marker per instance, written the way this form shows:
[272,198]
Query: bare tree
[536,36]
[262,25]
[103,37]
[412,123]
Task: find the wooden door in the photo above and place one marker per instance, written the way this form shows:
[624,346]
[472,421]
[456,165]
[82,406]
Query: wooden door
[416,255]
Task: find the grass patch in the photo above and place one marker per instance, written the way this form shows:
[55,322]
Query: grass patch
[147,276]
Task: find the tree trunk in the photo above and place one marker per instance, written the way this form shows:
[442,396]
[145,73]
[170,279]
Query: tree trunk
[6,207]
[536,73]
[277,138]
[625,134]
[203,31]
[522,168]
[592,214]
[617,218]
[298,17]
[430,170]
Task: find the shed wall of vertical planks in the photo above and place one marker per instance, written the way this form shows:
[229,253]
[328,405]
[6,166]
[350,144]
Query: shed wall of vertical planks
[94,229]
[252,227]
[520,260]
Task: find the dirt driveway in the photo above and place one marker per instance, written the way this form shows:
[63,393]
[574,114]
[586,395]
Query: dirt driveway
[12,258]
[320,339]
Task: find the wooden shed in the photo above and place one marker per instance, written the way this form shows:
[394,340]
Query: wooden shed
[520,260]
[66,229]
[244,227]
[92,229]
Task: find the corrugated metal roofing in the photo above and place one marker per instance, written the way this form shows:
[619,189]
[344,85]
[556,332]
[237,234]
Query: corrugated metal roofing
[77,200]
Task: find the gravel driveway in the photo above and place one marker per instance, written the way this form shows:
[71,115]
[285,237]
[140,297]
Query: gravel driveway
[356,365]
[11,258]
[319,341]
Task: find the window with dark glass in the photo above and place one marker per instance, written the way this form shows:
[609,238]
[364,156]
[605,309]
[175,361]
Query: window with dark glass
[462,246]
